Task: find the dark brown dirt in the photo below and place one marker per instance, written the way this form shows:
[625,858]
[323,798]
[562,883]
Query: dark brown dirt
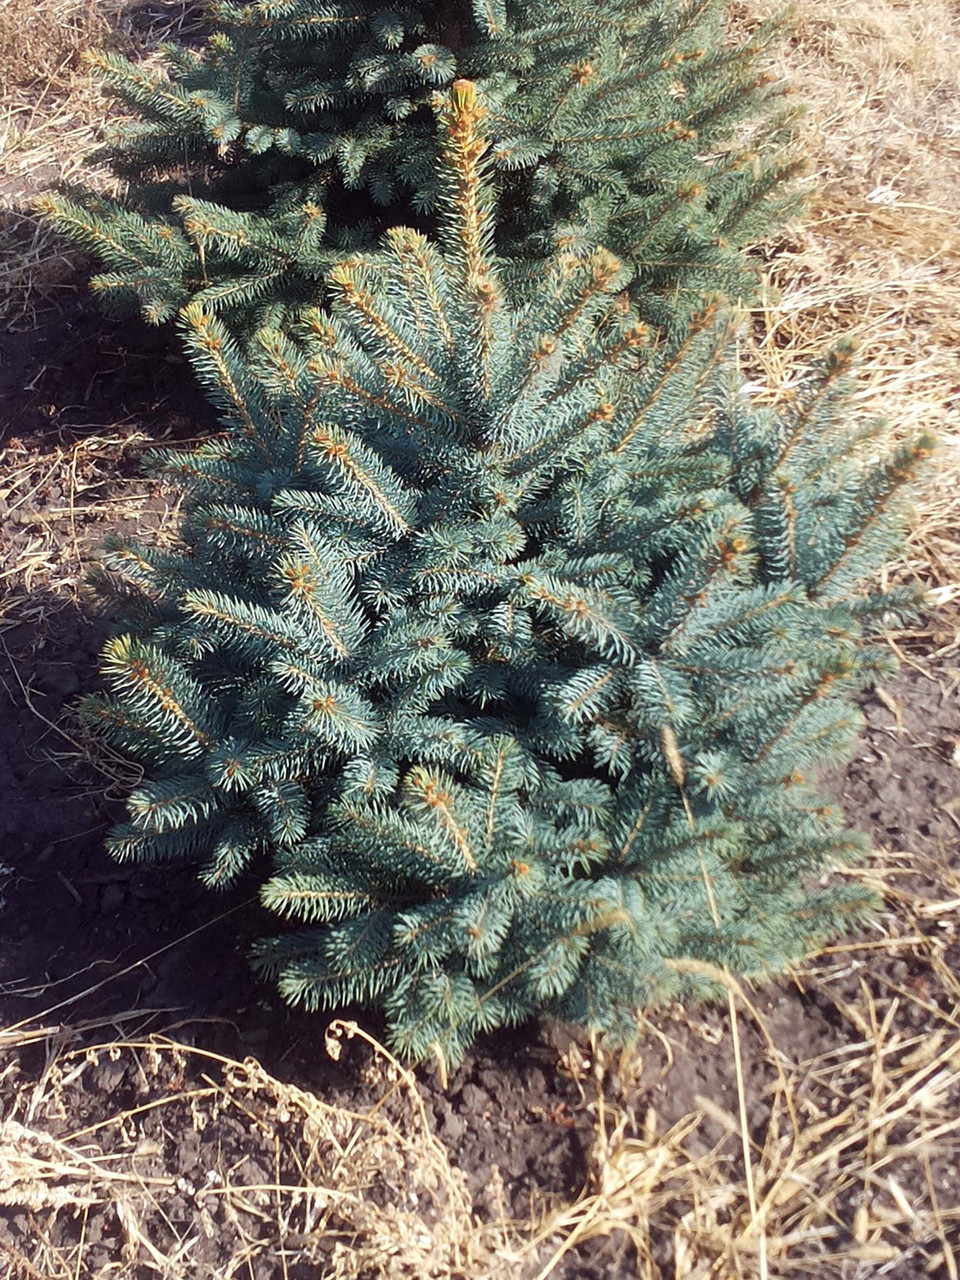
[112,950]
[80,371]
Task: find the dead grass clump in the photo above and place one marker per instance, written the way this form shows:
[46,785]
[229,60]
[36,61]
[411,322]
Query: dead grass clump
[207,1152]
[854,1170]
[49,115]
[876,256]
[40,40]
[57,502]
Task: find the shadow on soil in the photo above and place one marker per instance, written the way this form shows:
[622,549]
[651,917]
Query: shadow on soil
[79,371]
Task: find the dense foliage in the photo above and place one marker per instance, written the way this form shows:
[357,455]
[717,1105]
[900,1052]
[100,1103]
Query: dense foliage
[304,127]
[513,635]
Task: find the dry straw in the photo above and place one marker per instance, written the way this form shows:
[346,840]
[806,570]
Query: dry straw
[845,1171]
[876,256]
[356,1193]
[848,1176]
[51,113]
[48,117]
[58,502]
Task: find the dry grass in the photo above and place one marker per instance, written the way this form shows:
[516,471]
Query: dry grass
[358,1193]
[70,494]
[877,255]
[51,110]
[48,119]
[846,1176]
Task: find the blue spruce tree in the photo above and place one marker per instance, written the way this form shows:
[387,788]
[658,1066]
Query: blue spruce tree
[506,638]
[305,128]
